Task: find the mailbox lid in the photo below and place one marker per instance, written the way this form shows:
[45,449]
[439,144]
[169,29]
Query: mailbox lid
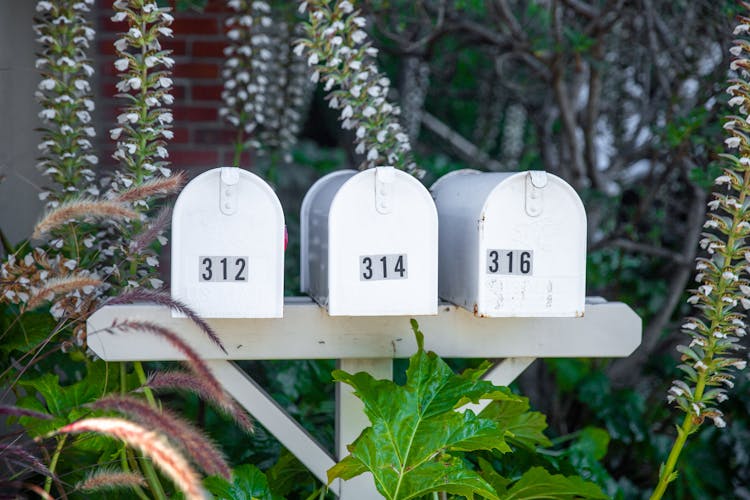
[546,224]
[252,229]
[360,227]
[314,217]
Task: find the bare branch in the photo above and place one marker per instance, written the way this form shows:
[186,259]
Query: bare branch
[466,149]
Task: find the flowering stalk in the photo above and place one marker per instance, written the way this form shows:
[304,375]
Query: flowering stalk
[265,84]
[710,360]
[144,125]
[341,56]
[64,94]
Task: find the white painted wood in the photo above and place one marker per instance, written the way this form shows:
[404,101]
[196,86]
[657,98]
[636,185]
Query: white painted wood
[262,406]
[351,420]
[610,329]
[503,373]
[511,244]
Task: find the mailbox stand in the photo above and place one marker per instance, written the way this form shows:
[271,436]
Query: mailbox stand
[609,329]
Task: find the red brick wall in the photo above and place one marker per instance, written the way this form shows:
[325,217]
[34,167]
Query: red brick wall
[201,138]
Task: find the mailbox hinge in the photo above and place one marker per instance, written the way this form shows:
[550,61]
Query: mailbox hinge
[384,180]
[230,178]
[536,180]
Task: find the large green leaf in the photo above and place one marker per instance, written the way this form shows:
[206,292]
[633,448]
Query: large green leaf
[248,483]
[415,429]
[525,428]
[537,483]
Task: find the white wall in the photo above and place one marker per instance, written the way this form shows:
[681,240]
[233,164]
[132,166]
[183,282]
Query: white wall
[19,204]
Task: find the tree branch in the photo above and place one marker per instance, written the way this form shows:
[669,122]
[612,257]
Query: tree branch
[466,149]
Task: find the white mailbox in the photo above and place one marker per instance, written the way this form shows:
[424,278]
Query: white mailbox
[228,246]
[511,244]
[369,244]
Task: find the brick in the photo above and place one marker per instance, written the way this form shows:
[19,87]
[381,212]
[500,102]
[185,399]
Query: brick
[214,136]
[208,49]
[196,70]
[206,92]
[194,114]
[178,47]
[217,6]
[181,135]
[194,158]
[203,25]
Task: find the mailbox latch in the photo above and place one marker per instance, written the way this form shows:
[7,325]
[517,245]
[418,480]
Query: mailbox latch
[384,180]
[230,178]
[536,180]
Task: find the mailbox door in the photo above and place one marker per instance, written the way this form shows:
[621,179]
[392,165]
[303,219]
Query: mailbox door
[532,258]
[382,259]
[228,246]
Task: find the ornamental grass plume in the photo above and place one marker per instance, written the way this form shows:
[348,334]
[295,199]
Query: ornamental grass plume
[341,56]
[211,387]
[81,208]
[187,438]
[151,444]
[710,360]
[106,479]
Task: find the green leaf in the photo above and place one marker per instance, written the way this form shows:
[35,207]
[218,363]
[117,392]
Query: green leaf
[415,429]
[248,483]
[523,427]
[538,483]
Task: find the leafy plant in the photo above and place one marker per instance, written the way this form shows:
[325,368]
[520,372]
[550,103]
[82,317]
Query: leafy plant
[418,442]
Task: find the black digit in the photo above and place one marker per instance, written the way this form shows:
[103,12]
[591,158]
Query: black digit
[367,261]
[224,266]
[510,262]
[525,262]
[385,267]
[207,263]
[400,266]
[494,262]
[240,262]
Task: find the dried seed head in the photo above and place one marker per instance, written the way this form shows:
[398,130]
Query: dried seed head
[79,209]
[151,444]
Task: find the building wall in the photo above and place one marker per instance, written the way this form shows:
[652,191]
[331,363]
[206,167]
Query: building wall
[19,204]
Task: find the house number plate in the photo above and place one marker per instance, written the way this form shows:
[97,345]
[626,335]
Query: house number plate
[519,262]
[223,268]
[383,267]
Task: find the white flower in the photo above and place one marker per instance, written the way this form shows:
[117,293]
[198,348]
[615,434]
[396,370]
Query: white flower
[47,114]
[736,100]
[359,36]
[736,50]
[121,45]
[43,6]
[732,142]
[381,135]
[346,7]
[372,154]
[302,7]
[119,17]
[368,112]
[723,179]
[347,112]
[134,32]
[360,21]
[165,31]
[298,49]
[47,84]
[115,133]
[313,59]
[719,422]
[134,82]
[356,91]
[742,28]
[165,82]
